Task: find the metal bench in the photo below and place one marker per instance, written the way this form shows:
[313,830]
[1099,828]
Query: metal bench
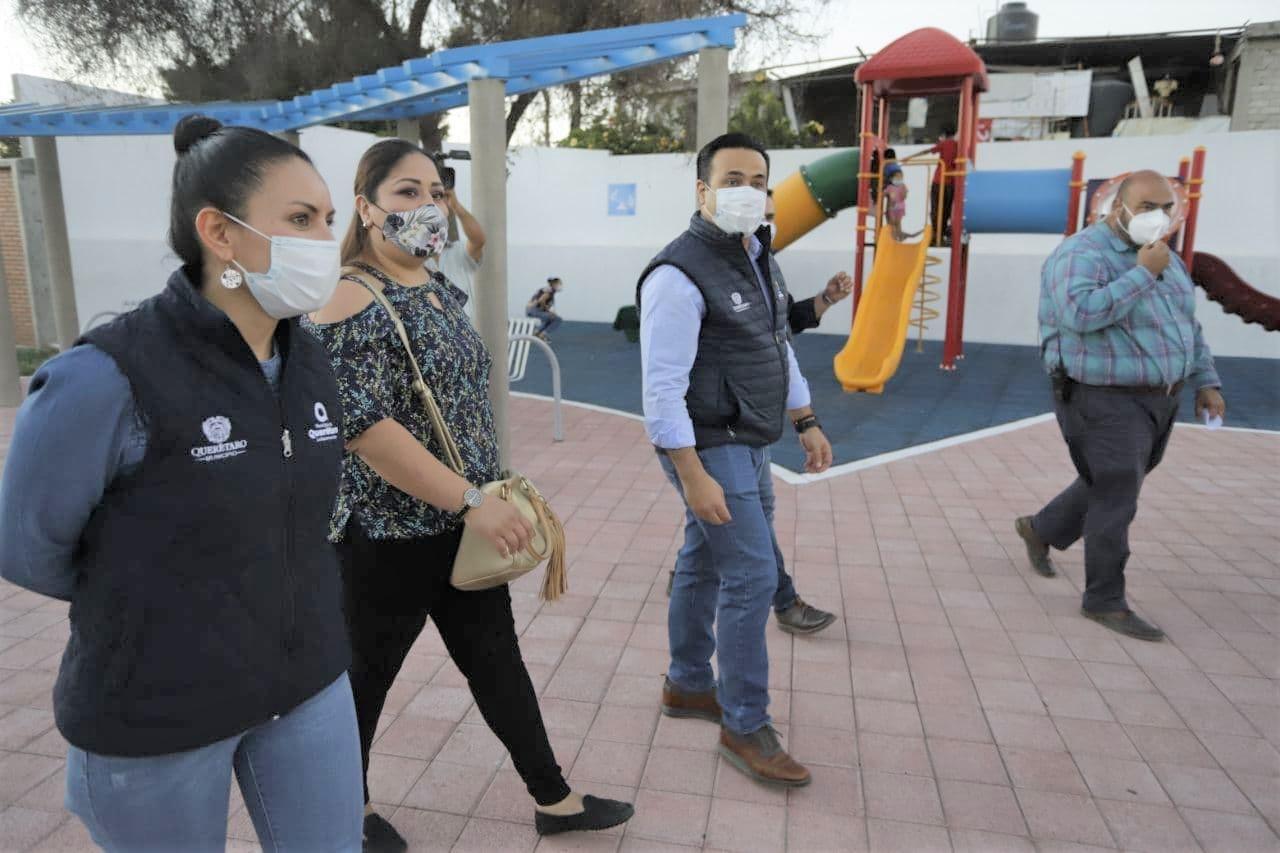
[520,336]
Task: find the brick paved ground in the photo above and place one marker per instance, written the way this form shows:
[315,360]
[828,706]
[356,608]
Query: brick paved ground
[960,703]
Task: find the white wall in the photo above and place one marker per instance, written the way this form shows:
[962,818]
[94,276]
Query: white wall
[117,210]
[600,256]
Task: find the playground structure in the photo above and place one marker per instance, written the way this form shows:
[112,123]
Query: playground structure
[1042,201]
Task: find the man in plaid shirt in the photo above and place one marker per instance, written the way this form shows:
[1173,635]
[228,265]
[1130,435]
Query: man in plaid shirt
[1119,338]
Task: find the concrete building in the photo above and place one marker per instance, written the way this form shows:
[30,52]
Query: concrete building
[13,250]
[1209,79]
[1255,64]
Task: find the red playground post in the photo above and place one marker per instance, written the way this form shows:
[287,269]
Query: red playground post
[1077,187]
[1193,205]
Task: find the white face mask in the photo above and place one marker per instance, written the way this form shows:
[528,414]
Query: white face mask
[1145,228]
[739,210]
[301,278]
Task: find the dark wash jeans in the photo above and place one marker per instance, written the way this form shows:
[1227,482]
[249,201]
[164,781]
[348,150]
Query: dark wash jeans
[391,589]
[1115,437]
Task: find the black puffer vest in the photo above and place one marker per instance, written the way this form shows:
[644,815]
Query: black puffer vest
[208,599]
[739,381]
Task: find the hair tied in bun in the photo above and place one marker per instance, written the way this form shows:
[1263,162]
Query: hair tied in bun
[191,129]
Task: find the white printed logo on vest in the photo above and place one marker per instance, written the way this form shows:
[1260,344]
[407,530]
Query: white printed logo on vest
[738,305]
[217,431]
[323,429]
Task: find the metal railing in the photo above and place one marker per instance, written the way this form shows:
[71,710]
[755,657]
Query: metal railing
[558,417]
[97,318]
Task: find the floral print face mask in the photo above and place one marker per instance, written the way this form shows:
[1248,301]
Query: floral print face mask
[420,232]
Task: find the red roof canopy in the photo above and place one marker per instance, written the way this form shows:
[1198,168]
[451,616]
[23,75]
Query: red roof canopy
[922,62]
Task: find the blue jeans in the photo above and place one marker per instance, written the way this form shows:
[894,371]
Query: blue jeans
[726,577]
[300,776]
[550,321]
[785,594]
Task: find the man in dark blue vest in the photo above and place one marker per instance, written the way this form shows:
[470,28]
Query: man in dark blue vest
[719,380]
[793,613]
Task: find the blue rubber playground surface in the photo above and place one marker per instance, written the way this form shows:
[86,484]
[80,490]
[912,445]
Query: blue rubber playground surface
[995,384]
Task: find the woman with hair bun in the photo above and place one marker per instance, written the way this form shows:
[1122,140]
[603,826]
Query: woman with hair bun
[172,477]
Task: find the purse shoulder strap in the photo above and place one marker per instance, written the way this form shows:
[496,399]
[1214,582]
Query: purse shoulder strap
[453,457]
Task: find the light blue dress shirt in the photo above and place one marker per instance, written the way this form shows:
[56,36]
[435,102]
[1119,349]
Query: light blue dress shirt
[671,313]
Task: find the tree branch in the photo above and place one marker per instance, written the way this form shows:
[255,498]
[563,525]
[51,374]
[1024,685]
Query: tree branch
[417,17]
[517,111]
[377,12]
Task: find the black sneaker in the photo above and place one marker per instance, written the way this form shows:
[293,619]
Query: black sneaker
[381,837]
[1037,548]
[596,814]
[1126,622]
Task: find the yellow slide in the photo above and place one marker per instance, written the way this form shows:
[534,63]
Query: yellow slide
[879,333]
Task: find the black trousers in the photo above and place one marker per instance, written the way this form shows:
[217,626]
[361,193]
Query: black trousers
[1115,437]
[391,588]
[942,215]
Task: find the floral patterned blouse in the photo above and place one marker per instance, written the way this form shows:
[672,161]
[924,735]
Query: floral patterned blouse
[374,382]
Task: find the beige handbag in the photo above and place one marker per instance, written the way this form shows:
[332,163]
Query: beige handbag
[478,564]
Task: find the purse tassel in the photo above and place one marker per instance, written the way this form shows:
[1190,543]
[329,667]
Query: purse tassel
[555,582]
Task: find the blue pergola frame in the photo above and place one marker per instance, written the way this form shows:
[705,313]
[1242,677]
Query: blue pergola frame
[416,87]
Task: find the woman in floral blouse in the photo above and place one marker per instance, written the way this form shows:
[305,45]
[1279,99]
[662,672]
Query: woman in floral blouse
[400,510]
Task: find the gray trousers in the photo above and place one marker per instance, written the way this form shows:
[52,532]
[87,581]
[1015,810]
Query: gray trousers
[1115,437]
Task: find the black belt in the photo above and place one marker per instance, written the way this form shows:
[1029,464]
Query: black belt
[1163,390]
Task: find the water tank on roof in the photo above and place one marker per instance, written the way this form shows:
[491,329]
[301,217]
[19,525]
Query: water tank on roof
[1014,22]
[1107,101]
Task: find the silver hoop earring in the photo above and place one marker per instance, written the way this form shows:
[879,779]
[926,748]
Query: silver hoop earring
[231,278]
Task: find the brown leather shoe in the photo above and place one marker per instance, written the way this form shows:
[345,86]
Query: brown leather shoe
[762,757]
[803,618]
[1037,548]
[700,706]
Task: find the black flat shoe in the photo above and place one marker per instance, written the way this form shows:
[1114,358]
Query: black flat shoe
[381,837]
[1128,623]
[596,814]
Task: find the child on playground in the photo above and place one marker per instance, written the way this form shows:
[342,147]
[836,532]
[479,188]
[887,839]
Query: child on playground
[895,196]
[890,156]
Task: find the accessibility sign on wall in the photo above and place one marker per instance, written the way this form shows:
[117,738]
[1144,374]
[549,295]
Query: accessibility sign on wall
[622,199]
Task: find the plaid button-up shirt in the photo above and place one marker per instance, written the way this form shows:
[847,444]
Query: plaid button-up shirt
[1111,322]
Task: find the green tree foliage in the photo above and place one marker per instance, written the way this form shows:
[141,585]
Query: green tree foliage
[623,131]
[762,115]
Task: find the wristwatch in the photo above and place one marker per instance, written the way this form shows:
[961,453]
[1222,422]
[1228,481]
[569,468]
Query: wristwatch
[806,423]
[471,499]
